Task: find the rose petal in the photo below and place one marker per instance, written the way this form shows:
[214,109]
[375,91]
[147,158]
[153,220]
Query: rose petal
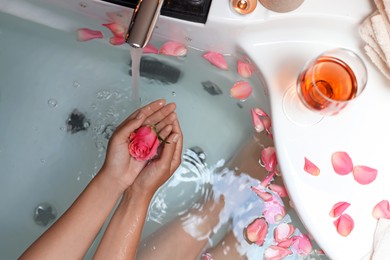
[381,210]
[344,225]
[117,40]
[216,59]
[244,69]
[338,209]
[207,256]
[280,190]
[286,243]
[311,168]
[283,232]
[342,163]
[267,180]
[276,253]
[85,34]
[261,121]
[257,122]
[172,48]
[149,48]
[265,196]
[256,231]
[241,90]
[116,29]
[302,245]
[273,211]
[268,157]
[364,174]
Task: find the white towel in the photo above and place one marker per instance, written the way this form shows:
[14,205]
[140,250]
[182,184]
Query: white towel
[382,240]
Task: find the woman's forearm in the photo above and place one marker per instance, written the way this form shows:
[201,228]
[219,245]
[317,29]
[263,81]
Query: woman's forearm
[71,236]
[121,239]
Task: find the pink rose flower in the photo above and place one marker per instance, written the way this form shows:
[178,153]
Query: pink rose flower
[143,143]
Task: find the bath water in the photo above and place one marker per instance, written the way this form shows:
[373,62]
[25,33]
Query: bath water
[135,54]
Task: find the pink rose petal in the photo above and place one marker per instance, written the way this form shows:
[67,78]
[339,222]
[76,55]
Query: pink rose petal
[338,209]
[311,168]
[172,48]
[302,245]
[280,190]
[286,243]
[85,34]
[268,157]
[244,69]
[364,174]
[241,90]
[116,29]
[261,121]
[216,59]
[381,210]
[117,40]
[283,232]
[273,211]
[342,163]
[267,180]
[256,231]
[276,253]
[265,196]
[344,225]
[149,48]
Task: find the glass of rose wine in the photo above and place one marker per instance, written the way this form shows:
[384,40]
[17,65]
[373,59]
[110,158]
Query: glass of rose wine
[329,82]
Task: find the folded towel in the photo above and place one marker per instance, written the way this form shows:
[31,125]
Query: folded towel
[382,240]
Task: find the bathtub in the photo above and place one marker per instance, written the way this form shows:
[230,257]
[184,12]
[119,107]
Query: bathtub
[47,76]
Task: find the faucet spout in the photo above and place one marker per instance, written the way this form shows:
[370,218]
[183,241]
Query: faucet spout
[143,22]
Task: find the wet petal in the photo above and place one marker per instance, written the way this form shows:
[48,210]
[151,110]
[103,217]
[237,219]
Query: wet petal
[286,243]
[265,196]
[261,121]
[244,69]
[342,163]
[267,180]
[381,210]
[116,29]
[283,232]
[216,59]
[117,40]
[280,190]
[257,122]
[268,157]
[276,253]
[149,48]
[172,48]
[364,174]
[85,34]
[241,90]
[311,168]
[274,211]
[302,245]
[338,209]
[256,231]
[344,225]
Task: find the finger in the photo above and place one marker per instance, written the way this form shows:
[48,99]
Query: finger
[164,133]
[176,158]
[168,120]
[160,114]
[168,152]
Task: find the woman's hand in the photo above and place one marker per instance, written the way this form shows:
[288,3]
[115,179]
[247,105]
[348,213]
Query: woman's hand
[118,163]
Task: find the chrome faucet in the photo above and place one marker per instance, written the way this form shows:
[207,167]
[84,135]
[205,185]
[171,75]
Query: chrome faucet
[143,22]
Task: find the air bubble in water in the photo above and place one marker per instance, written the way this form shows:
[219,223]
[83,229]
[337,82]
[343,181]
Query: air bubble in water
[76,84]
[52,103]
[103,94]
[43,161]
[173,94]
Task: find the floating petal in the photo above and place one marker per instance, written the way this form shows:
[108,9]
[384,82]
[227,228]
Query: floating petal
[283,232]
[256,231]
[302,245]
[286,243]
[116,29]
[381,210]
[172,48]
[117,40]
[311,168]
[85,34]
[241,90]
[280,190]
[276,253]
[364,174]
[216,59]
[342,163]
[257,122]
[344,225]
[338,209]
[267,180]
[244,69]
[149,48]
[268,157]
[265,196]
[261,120]
[273,211]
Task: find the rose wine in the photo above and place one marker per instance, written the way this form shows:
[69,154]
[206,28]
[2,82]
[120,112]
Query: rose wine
[328,80]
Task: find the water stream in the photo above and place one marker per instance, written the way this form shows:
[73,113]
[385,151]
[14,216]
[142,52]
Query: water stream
[136,54]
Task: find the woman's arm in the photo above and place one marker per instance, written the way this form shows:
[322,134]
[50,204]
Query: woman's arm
[71,236]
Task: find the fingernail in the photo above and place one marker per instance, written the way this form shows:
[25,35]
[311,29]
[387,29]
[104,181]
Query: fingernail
[161,102]
[140,115]
[175,138]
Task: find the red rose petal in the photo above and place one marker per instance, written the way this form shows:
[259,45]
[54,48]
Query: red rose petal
[85,34]
[265,196]
[117,40]
[344,225]
[216,59]
[302,245]
[116,29]
[256,231]
[150,49]
[364,174]
[276,253]
[244,69]
[172,48]
[338,209]
[381,210]
[283,232]
[311,168]
[261,121]
[268,157]
[241,90]
[280,190]
[342,163]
